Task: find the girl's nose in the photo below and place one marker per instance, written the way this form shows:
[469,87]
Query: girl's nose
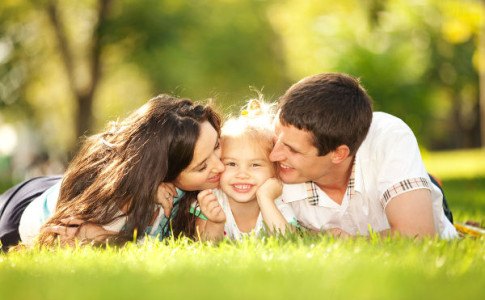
[242,173]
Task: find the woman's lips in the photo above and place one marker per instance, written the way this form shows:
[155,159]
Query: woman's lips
[214,178]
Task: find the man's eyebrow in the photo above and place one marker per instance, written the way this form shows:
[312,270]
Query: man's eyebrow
[291,148]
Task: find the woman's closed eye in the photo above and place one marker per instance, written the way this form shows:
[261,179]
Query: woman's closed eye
[218,145]
[202,168]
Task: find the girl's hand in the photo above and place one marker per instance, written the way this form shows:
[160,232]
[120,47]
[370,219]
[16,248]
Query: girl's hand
[210,207]
[165,193]
[76,229]
[270,189]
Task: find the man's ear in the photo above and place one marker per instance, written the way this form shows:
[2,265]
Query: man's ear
[340,154]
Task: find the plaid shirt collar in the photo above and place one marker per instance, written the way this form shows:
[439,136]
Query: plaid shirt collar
[310,193]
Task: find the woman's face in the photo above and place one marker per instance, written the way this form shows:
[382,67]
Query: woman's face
[204,171]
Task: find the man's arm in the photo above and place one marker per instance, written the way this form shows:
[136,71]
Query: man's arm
[411,214]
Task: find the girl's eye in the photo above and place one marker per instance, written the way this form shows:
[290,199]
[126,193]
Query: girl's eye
[230,164]
[255,165]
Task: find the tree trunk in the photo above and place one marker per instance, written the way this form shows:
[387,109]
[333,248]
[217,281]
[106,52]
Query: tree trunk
[84,117]
[84,95]
[481,74]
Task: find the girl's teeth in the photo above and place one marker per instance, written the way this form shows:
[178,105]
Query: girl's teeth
[242,186]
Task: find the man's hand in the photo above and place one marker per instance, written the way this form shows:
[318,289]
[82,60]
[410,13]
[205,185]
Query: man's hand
[210,207]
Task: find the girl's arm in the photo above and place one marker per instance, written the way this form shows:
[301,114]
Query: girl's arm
[267,193]
[211,229]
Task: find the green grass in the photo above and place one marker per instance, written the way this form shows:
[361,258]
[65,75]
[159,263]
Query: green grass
[297,267]
[302,268]
[463,176]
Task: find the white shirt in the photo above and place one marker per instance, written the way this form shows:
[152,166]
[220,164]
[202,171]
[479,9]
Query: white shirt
[388,163]
[231,230]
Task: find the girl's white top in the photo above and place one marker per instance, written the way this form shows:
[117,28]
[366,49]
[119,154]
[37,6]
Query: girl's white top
[231,230]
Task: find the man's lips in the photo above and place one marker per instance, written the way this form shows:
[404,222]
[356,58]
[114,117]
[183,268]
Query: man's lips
[214,178]
[284,167]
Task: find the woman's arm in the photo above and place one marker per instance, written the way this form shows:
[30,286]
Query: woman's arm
[74,229]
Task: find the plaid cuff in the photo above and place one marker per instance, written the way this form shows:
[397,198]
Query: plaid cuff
[404,186]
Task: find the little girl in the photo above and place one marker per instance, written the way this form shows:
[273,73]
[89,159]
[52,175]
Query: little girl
[249,193]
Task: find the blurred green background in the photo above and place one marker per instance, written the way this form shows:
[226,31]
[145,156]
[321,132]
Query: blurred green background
[67,67]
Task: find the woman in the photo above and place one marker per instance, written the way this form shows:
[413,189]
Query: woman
[120,177]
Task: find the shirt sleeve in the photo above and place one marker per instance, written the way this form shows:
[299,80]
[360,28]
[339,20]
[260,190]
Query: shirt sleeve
[400,166]
[37,213]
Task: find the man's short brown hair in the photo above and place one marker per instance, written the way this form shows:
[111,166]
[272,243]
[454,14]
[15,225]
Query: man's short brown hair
[333,107]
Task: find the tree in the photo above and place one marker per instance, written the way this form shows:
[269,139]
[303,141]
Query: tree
[403,54]
[94,60]
[83,90]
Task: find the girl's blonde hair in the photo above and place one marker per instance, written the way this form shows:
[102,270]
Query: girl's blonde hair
[254,124]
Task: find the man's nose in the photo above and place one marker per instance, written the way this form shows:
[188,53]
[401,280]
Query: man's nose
[277,153]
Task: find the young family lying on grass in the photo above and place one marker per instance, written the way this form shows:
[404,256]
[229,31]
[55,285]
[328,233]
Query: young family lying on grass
[167,169]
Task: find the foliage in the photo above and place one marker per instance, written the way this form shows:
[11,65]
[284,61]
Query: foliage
[418,59]
[414,57]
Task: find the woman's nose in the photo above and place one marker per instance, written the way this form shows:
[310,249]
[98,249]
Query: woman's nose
[218,165]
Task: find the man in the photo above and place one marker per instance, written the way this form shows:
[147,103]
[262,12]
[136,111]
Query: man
[348,170]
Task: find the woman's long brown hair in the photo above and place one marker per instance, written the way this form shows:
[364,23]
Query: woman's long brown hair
[122,167]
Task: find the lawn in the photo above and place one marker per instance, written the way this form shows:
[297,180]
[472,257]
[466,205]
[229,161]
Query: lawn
[296,267]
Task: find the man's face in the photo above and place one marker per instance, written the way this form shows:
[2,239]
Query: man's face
[297,157]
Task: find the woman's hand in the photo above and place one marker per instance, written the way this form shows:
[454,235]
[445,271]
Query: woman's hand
[210,207]
[73,229]
[165,194]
